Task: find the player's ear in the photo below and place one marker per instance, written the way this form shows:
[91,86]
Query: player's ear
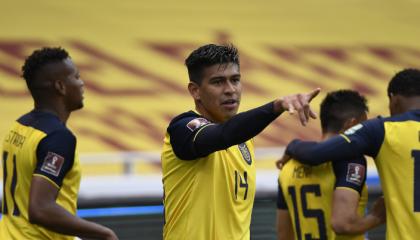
[194,90]
[396,103]
[59,86]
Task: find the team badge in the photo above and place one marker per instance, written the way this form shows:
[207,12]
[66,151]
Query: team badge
[52,164]
[355,173]
[245,153]
[353,129]
[197,123]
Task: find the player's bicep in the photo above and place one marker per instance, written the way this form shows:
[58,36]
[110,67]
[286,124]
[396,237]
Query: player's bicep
[345,205]
[43,194]
[183,134]
[55,156]
[350,180]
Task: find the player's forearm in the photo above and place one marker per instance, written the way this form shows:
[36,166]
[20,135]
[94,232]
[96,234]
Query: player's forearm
[240,128]
[355,224]
[314,153]
[57,219]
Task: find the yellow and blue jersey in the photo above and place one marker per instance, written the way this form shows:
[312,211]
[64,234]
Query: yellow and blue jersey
[394,143]
[206,196]
[38,144]
[307,193]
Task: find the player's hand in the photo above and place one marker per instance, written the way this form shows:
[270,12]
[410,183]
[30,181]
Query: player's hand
[378,210]
[298,103]
[282,161]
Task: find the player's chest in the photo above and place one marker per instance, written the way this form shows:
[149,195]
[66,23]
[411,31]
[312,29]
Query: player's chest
[239,156]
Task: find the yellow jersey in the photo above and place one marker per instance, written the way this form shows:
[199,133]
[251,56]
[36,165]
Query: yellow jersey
[307,192]
[209,197]
[38,144]
[394,143]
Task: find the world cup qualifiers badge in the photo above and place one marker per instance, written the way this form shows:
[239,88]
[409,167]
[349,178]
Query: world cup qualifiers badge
[355,173]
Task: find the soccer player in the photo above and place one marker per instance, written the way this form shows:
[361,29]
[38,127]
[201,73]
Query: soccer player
[319,201]
[208,159]
[41,170]
[394,143]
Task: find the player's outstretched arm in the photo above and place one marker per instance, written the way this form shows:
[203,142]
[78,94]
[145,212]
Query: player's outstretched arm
[241,127]
[284,225]
[44,211]
[345,219]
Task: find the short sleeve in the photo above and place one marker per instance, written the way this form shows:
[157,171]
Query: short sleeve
[281,201]
[367,137]
[55,155]
[182,132]
[350,174]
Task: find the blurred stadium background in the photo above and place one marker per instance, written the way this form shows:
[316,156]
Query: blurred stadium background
[130,54]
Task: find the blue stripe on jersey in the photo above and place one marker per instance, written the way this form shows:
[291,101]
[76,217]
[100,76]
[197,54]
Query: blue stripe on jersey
[118,211]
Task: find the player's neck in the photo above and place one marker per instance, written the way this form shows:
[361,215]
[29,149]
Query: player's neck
[203,112]
[55,109]
[328,135]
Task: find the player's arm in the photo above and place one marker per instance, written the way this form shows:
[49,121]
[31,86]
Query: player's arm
[55,155]
[240,128]
[350,180]
[44,211]
[284,222]
[364,139]
[345,219]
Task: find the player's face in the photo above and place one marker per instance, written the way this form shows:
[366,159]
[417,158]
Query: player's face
[74,85]
[219,94]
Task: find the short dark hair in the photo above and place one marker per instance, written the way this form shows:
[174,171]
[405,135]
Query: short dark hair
[209,55]
[340,106]
[405,83]
[38,59]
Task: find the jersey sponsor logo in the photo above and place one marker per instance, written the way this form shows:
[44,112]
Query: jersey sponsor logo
[245,153]
[52,164]
[355,173]
[353,129]
[197,123]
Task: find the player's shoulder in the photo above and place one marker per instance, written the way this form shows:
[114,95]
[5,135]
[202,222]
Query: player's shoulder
[183,116]
[372,125]
[45,122]
[413,115]
[296,168]
[190,120]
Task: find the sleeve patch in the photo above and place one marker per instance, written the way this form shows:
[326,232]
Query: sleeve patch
[52,164]
[355,173]
[197,123]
